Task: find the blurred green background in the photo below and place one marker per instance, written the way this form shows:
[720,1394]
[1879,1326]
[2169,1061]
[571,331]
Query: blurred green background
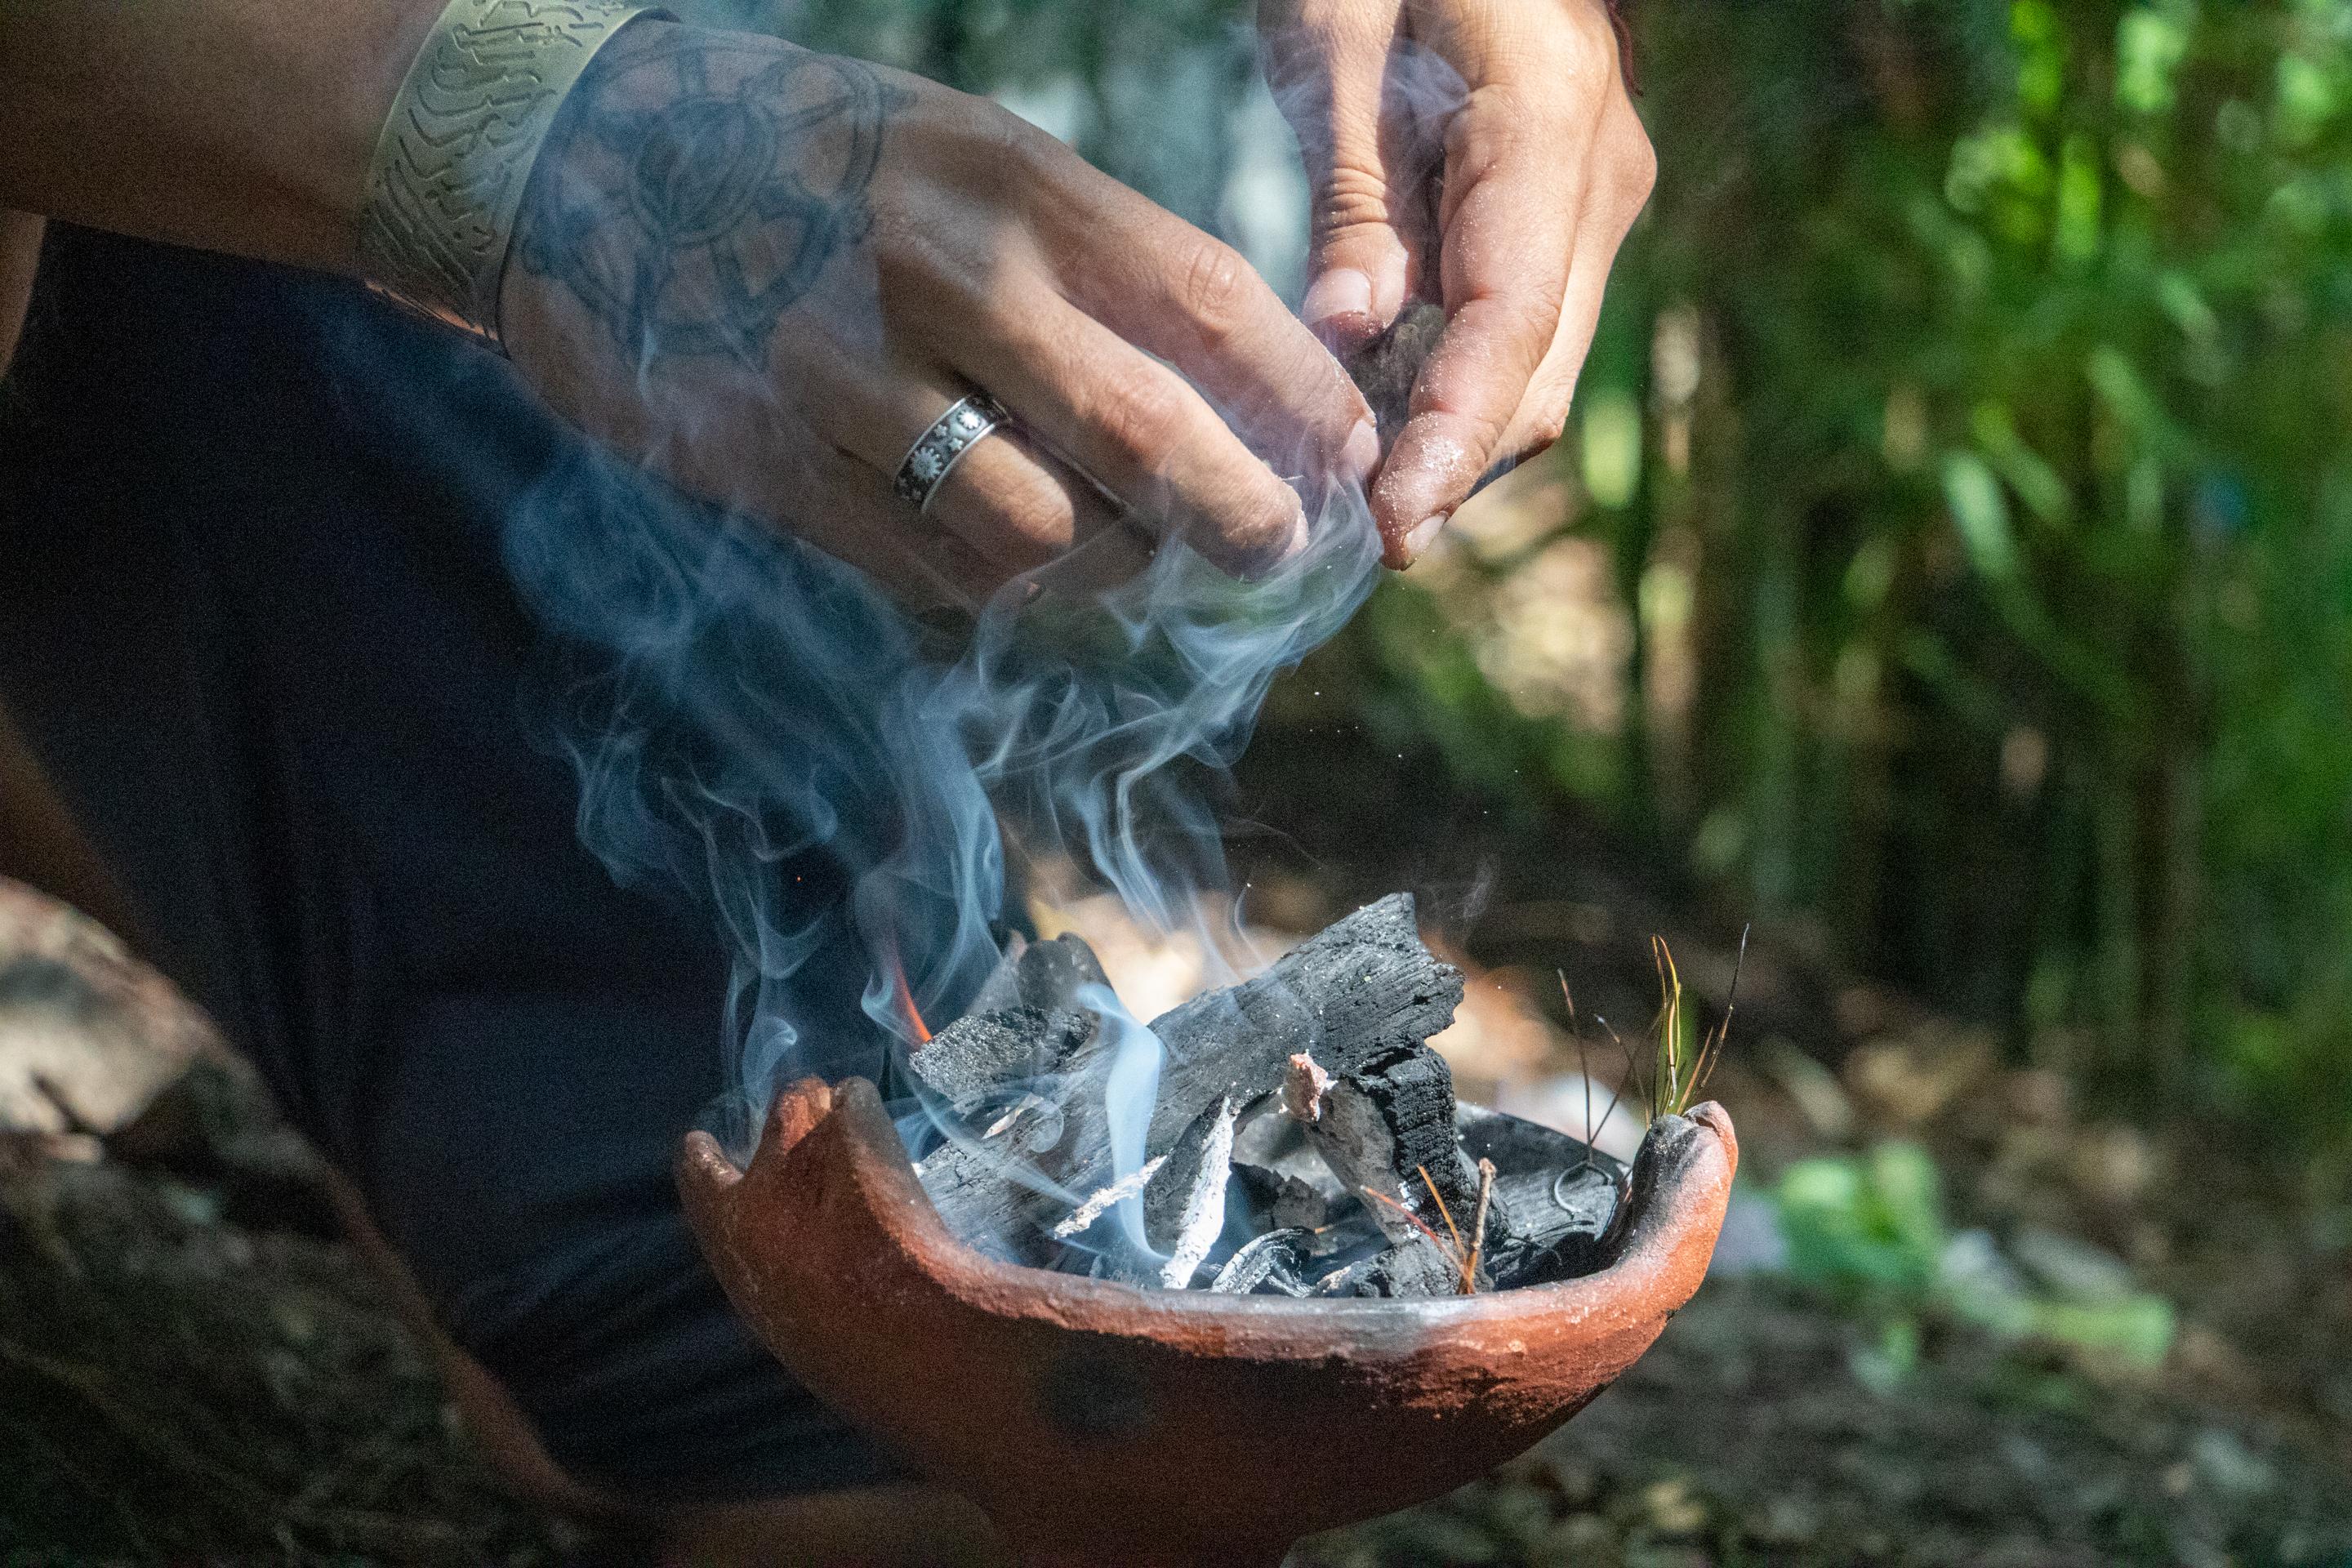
[1950,559]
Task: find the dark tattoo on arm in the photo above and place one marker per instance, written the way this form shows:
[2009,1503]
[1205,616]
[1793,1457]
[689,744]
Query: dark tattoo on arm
[697,187]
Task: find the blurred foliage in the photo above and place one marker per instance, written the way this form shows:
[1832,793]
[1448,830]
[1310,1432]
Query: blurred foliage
[1872,1227]
[1951,554]
[2012,508]
[1968,434]
[1872,1232]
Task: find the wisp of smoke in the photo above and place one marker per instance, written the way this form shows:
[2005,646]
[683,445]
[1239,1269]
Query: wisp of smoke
[757,723]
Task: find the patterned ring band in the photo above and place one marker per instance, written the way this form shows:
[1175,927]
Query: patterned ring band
[939,449]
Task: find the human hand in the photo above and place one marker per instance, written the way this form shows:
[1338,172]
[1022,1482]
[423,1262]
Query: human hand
[1483,153]
[767,271]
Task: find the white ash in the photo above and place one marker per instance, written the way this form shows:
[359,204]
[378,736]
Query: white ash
[1271,1259]
[1083,1218]
[1204,1208]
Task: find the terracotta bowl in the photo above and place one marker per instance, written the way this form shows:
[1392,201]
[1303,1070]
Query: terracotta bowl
[1099,1423]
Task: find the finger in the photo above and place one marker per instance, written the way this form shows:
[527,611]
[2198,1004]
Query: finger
[1019,505]
[746,449]
[1326,64]
[832,499]
[1516,184]
[1007,503]
[1480,403]
[1543,413]
[1134,425]
[1495,40]
[1171,290]
[1116,556]
[854,516]
[1036,515]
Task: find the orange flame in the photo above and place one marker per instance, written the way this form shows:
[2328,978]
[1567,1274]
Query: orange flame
[906,995]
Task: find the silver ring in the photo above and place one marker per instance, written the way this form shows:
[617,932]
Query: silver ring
[939,449]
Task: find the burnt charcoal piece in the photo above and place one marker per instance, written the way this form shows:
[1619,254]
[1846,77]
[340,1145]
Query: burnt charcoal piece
[1364,985]
[1413,1268]
[1413,1092]
[1047,976]
[1269,1263]
[1200,1217]
[1173,1190]
[1561,1196]
[1390,1123]
[1082,1218]
[1277,1200]
[985,1055]
[1385,369]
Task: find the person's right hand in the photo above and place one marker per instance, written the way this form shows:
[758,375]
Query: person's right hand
[767,271]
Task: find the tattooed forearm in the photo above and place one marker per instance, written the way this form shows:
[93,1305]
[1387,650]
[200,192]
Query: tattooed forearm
[699,187]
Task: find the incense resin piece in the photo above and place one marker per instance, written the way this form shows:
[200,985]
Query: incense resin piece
[1385,369]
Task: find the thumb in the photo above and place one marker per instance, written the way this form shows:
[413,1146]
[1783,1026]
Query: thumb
[1326,64]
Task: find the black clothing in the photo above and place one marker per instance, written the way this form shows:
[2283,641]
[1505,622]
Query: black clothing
[255,622]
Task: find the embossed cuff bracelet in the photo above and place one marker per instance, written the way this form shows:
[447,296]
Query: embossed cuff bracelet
[457,149]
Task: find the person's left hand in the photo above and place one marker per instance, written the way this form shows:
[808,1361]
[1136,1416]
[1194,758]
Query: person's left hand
[1481,153]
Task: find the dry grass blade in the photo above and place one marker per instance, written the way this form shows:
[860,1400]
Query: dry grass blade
[1584,1071]
[1682,1072]
[1632,1067]
[1673,1087]
[1711,1051]
[1583,1068]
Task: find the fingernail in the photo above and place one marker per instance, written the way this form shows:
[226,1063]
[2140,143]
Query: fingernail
[1361,455]
[1298,533]
[1388,292]
[1343,291]
[1424,535]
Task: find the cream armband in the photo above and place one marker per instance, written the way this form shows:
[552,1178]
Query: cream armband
[457,151]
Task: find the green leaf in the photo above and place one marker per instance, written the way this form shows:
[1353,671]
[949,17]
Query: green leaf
[2079,193]
[2150,44]
[1980,511]
[2036,481]
[1876,1228]
[1910,1196]
[2306,99]
[2041,55]
[2138,1328]
[1612,448]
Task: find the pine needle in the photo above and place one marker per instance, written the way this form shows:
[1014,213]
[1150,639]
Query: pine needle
[1442,1213]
